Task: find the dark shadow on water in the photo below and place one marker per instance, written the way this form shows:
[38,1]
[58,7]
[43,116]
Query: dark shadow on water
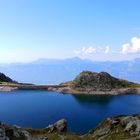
[91,100]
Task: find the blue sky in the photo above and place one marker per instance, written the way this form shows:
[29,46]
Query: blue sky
[92,29]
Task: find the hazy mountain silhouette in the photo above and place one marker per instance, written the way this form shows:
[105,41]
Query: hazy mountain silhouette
[54,71]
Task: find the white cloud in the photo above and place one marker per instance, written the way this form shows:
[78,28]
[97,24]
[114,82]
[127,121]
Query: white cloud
[107,49]
[89,50]
[84,50]
[125,48]
[93,50]
[133,47]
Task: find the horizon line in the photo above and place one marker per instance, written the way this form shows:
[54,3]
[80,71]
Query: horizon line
[62,59]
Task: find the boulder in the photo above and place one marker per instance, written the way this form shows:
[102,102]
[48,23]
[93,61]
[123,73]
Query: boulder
[60,126]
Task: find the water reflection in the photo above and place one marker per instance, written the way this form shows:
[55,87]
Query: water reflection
[90,100]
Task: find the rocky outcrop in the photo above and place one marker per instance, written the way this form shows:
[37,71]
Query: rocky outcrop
[13,133]
[121,127]
[8,132]
[98,81]
[60,126]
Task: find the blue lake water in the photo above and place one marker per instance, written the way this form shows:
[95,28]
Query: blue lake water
[38,109]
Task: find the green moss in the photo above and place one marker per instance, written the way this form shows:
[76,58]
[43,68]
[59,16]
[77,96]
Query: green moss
[8,83]
[40,133]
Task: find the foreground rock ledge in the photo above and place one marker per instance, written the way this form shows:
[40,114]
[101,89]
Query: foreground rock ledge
[113,128]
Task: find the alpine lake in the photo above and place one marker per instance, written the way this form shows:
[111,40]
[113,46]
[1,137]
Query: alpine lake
[38,108]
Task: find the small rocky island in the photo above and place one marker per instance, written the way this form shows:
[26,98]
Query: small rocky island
[113,128]
[98,84]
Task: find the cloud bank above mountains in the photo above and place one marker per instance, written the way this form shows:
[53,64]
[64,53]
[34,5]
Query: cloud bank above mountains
[127,51]
[126,48]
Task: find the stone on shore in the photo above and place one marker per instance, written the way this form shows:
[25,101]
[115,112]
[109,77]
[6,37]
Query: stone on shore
[7,88]
[60,126]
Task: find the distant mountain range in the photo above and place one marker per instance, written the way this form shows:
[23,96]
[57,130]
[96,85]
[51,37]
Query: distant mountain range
[55,71]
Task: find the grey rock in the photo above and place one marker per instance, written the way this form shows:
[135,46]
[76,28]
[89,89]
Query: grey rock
[3,135]
[60,126]
[45,138]
[126,120]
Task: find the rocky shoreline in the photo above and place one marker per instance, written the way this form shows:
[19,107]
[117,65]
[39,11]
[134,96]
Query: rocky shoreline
[121,91]
[18,86]
[112,128]
[8,88]
[69,90]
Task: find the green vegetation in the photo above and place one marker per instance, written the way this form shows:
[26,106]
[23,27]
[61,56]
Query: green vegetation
[68,83]
[52,136]
[8,84]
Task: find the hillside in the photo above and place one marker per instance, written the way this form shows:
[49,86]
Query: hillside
[98,81]
[4,78]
